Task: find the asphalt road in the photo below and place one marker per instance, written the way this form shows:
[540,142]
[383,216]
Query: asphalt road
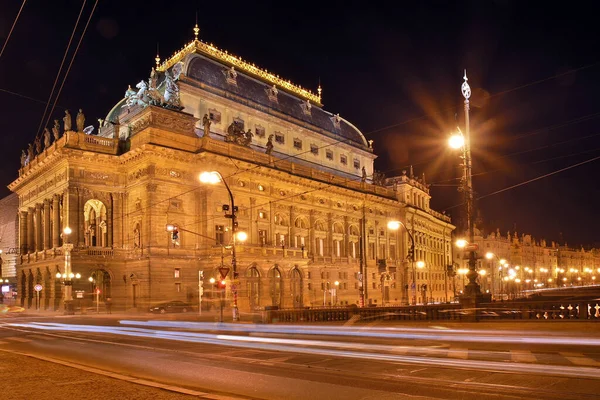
[120,356]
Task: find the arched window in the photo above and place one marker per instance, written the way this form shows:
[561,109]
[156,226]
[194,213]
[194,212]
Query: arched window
[275,286]
[95,230]
[253,287]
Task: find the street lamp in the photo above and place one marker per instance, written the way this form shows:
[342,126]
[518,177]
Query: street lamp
[394,226]
[337,284]
[68,275]
[463,141]
[214,178]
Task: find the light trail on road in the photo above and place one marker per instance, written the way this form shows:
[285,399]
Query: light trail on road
[328,348]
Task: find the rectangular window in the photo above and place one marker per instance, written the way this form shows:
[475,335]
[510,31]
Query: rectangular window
[373,275]
[259,131]
[308,275]
[262,237]
[176,273]
[355,285]
[298,144]
[262,214]
[345,285]
[214,116]
[356,164]
[322,285]
[309,286]
[178,287]
[220,234]
[329,154]
[322,275]
[343,160]
[374,286]
[340,275]
[372,251]
[279,138]
[393,251]
[314,149]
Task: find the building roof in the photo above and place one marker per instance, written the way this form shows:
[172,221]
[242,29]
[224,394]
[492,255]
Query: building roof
[214,74]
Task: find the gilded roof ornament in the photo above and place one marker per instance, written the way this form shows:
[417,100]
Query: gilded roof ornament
[198,46]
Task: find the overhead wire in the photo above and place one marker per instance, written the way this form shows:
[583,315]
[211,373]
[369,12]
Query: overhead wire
[72,59]
[60,70]
[12,28]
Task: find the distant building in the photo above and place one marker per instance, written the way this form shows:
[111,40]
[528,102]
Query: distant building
[302,179]
[9,227]
[527,264]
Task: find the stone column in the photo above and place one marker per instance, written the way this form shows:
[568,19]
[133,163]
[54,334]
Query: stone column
[38,228]
[109,222]
[330,251]
[292,227]
[23,232]
[47,243]
[311,233]
[30,231]
[253,234]
[56,221]
[79,217]
[346,243]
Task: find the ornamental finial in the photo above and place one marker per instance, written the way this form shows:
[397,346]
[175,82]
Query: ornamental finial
[157,58]
[465,88]
[196,29]
[319,90]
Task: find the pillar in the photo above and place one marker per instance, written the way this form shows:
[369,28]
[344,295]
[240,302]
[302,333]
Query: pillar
[47,243]
[292,227]
[346,240]
[23,232]
[109,222]
[330,251]
[30,231]
[56,221]
[312,245]
[80,221]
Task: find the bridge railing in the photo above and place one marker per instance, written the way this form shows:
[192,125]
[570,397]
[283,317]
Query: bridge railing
[542,310]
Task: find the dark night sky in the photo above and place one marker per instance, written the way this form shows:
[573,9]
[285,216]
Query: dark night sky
[394,71]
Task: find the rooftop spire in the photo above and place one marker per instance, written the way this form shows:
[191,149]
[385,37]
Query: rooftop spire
[196,29]
[319,90]
[157,58]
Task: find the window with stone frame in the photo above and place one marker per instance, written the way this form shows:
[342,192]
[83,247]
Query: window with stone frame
[356,163]
[260,131]
[314,149]
[343,160]
[262,237]
[214,116]
[298,144]
[329,154]
[279,138]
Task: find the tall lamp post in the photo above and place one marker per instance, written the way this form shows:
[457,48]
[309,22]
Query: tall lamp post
[460,140]
[68,275]
[213,178]
[394,226]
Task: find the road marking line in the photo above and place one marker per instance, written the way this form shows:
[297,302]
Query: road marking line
[454,352]
[144,382]
[570,354]
[522,356]
[400,349]
[18,339]
[588,362]
[42,337]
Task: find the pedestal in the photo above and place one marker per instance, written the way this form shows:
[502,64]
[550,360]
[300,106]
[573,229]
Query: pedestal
[69,307]
[472,305]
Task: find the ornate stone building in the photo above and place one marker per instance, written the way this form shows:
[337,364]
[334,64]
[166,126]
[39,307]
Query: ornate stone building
[8,238]
[301,177]
[535,264]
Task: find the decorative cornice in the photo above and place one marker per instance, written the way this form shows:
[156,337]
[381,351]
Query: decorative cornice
[237,62]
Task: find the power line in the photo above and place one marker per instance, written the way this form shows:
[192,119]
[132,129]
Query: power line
[72,59]
[12,27]
[60,70]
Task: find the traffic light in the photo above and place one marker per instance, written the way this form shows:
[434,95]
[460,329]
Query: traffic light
[411,253]
[221,284]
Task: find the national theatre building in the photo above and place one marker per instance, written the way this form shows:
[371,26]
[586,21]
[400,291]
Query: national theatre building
[143,228]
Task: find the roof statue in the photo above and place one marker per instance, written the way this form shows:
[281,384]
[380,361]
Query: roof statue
[364,174]
[46,138]
[38,145]
[68,122]
[206,125]
[269,149]
[23,158]
[150,93]
[80,120]
[236,134]
[30,154]
[56,130]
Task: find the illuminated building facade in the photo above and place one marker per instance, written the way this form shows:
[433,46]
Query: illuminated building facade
[302,178]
